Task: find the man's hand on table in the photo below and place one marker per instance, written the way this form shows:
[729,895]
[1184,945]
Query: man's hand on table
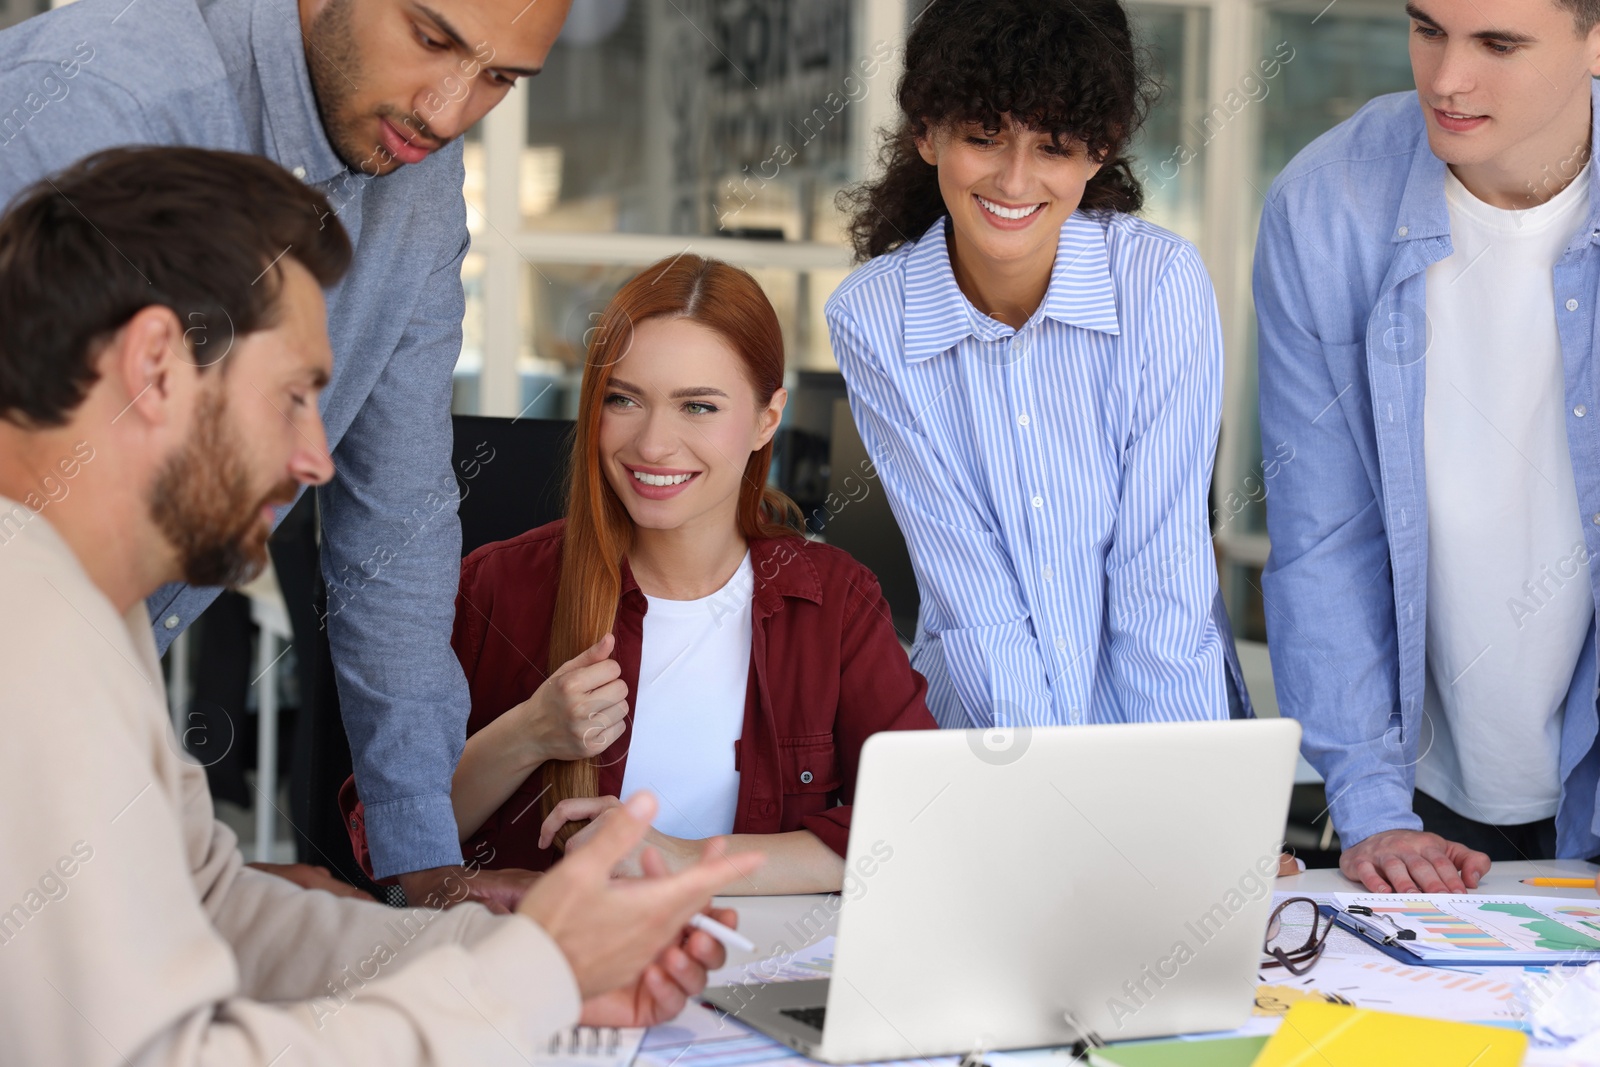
[625,938]
[445,887]
[1411,861]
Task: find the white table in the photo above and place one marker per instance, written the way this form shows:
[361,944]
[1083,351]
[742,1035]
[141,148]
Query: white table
[778,924]
[789,923]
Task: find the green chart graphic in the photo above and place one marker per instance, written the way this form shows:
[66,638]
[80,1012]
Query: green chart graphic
[1549,933]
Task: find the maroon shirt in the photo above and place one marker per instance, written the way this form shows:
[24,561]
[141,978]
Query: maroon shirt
[826,672]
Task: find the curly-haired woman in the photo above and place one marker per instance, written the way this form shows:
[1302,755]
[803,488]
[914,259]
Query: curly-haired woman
[1038,377]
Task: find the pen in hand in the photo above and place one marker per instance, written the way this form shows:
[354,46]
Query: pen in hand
[729,937]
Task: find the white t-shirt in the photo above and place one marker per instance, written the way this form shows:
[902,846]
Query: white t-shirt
[1509,601]
[694,670]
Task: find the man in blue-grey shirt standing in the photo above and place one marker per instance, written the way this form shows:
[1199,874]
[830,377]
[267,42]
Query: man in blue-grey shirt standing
[1426,281]
[366,100]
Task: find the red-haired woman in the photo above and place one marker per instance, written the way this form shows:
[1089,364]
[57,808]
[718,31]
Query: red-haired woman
[675,633]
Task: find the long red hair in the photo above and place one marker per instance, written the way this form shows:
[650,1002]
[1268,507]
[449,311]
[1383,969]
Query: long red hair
[599,531]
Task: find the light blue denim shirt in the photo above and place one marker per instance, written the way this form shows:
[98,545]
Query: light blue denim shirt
[1347,233]
[231,74]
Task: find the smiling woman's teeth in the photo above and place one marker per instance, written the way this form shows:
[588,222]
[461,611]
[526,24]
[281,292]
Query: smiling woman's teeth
[1008,212]
[662,479]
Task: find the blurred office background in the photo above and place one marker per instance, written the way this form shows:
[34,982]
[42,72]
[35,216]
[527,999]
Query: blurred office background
[658,126]
[727,127]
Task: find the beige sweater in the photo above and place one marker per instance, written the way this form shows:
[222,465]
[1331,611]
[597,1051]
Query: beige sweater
[130,930]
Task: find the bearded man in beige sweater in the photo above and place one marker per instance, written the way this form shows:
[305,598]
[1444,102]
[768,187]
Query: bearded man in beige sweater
[162,347]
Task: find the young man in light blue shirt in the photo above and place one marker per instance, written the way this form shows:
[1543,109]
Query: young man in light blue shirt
[1425,280]
[366,100]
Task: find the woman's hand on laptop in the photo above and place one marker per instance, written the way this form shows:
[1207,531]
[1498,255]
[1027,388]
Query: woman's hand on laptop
[1410,861]
[614,931]
[578,711]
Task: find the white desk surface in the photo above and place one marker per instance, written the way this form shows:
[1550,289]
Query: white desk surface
[789,923]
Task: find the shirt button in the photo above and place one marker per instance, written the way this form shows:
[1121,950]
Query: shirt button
[1403,231]
[1048,574]
[1580,411]
[1022,420]
[1038,501]
[1596,520]
[805,777]
[171,621]
[299,172]
[1061,644]
[1075,716]
[1572,305]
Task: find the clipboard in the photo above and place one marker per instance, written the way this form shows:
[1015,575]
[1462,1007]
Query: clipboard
[1393,951]
[1392,944]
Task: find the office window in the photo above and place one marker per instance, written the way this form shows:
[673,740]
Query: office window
[661,125]
[723,127]
[1342,58]
[1165,153]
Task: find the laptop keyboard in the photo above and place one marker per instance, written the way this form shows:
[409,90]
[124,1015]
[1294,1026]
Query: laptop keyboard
[811,1017]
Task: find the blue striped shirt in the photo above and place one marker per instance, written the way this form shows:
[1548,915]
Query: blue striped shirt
[1052,481]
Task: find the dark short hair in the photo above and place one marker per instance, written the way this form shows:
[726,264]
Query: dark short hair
[1070,68]
[195,230]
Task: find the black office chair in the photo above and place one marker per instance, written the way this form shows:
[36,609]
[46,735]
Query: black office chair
[512,476]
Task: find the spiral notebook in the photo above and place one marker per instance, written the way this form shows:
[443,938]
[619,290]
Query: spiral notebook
[591,1046]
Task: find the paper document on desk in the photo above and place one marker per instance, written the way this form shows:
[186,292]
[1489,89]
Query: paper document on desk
[704,1037]
[1481,930]
[1465,996]
[813,961]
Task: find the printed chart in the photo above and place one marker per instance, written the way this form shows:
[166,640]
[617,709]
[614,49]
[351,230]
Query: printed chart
[1386,985]
[1484,927]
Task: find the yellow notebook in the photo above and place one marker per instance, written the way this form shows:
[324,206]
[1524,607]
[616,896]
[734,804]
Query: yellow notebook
[1318,1034]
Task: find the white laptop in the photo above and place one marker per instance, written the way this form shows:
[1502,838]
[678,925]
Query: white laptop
[1033,887]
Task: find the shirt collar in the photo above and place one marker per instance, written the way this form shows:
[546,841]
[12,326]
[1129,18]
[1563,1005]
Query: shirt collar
[781,566]
[939,316]
[1423,210]
[293,122]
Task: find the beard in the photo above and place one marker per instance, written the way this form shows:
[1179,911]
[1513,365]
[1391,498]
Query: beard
[334,63]
[202,503]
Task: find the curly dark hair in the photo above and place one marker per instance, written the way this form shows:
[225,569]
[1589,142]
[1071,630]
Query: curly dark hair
[1070,68]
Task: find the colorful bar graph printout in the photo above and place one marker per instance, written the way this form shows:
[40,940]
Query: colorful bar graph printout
[1516,929]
